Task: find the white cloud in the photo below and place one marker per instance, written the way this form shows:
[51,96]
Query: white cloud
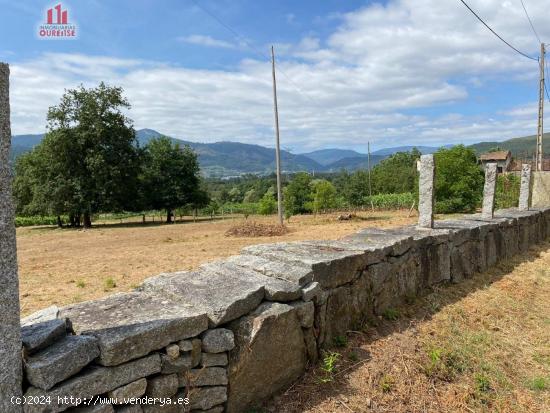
[208,41]
[381,64]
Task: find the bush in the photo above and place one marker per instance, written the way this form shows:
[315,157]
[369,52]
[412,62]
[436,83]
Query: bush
[268,204]
[458,180]
[507,191]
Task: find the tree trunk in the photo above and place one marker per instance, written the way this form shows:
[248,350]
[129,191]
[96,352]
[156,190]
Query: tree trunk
[87,220]
[59,222]
[168,216]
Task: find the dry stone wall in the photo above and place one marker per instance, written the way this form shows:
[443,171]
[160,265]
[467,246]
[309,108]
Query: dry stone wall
[235,332]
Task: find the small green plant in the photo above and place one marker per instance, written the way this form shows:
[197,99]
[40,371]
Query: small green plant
[538,384]
[482,383]
[80,284]
[340,341]
[353,356]
[328,366]
[391,314]
[110,283]
[386,383]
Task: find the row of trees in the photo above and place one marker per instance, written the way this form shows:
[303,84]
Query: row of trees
[459,185]
[90,161]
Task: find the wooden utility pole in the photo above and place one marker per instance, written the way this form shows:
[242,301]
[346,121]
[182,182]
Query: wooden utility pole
[540,129]
[277,146]
[370,183]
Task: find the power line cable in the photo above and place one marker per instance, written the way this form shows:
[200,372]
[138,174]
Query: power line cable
[495,33]
[250,46]
[530,22]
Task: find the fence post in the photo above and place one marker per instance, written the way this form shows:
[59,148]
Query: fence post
[525,189]
[11,374]
[426,168]
[489,190]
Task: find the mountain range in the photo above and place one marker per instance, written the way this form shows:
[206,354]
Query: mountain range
[226,159]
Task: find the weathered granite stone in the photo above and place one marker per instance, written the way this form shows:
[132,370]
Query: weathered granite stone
[208,376]
[131,408]
[275,289]
[223,297]
[185,345]
[305,312]
[40,316]
[61,360]
[311,291]
[331,265]
[162,386]
[128,391]
[379,243]
[432,246]
[525,187]
[213,359]
[10,331]
[426,191]
[182,363]
[347,308]
[166,408]
[489,190]
[196,352]
[218,340]
[217,409]
[294,273]
[99,408]
[394,280]
[40,335]
[131,325]
[94,380]
[204,398]
[172,351]
[311,345]
[270,354]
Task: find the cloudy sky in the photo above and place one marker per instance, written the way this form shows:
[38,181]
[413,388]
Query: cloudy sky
[396,72]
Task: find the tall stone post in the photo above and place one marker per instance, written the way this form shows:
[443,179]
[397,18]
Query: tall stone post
[426,168]
[10,330]
[525,188]
[489,189]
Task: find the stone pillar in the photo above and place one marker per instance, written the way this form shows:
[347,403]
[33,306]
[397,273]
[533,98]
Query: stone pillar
[426,168]
[525,189]
[488,209]
[10,330]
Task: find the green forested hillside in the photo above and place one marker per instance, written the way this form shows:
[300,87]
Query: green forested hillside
[520,147]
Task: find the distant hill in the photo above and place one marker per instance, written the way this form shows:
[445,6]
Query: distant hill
[223,159]
[218,159]
[328,156]
[520,147]
[354,163]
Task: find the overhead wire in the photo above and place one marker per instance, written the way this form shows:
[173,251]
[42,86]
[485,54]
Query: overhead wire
[530,22]
[241,38]
[495,33]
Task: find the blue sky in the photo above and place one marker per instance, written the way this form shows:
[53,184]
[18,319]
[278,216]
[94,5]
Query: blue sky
[397,72]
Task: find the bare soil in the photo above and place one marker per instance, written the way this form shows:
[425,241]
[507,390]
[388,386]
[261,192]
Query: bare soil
[479,346]
[62,266]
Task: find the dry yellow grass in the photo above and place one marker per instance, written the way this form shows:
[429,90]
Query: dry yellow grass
[480,346]
[61,266]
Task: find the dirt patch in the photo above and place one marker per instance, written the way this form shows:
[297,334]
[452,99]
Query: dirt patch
[62,266]
[256,229]
[479,346]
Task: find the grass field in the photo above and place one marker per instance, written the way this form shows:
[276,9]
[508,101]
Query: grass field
[61,266]
[480,346]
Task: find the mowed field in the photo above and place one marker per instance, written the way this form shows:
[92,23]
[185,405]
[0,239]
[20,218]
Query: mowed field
[62,266]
